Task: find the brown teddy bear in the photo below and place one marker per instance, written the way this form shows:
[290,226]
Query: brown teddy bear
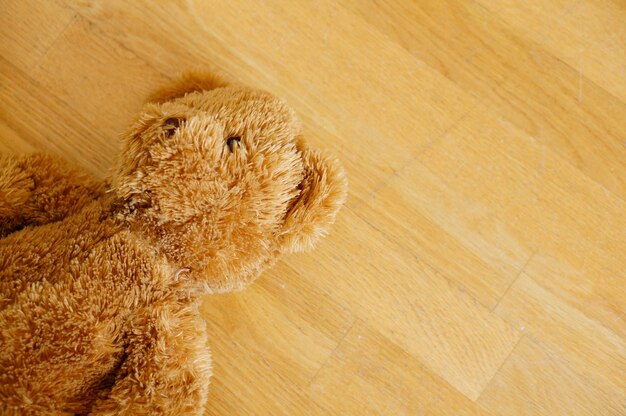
[100,282]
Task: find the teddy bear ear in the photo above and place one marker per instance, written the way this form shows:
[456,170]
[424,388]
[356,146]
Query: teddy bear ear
[323,191]
[190,81]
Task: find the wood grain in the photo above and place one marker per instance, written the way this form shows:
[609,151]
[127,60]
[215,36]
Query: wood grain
[479,266]
[519,81]
[112,84]
[402,386]
[588,35]
[584,343]
[30,28]
[411,303]
[537,381]
[310,330]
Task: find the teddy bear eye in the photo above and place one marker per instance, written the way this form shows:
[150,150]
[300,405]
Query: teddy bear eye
[170,125]
[231,142]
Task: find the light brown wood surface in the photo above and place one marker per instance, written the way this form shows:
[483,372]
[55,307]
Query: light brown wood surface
[479,267]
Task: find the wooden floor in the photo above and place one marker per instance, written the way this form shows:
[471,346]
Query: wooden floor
[480,264]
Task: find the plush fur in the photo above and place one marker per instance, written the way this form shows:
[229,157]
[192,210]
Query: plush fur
[100,282]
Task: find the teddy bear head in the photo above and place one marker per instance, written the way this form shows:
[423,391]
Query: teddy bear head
[218,177]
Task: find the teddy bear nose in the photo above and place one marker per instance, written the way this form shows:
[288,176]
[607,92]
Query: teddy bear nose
[231,142]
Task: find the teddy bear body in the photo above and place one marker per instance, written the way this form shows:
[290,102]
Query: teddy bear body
[76,330]
[100,281]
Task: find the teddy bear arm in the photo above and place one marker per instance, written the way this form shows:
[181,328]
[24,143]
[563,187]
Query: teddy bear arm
[167,369]
[38,189]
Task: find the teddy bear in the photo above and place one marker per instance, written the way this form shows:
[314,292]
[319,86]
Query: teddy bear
[100,281]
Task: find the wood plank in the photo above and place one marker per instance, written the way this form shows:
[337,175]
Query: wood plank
[369,375]
[111,77]
[515,77]
[45,122]
[410,303]
[590,36]
[587,276]
[268,342]
[536,381]
[576,226]
[451,233]
[11,142]
[593,351]
[546,202]
[29,28]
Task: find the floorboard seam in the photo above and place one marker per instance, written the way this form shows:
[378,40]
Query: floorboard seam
[499,368]
[515,279]
[332,353]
